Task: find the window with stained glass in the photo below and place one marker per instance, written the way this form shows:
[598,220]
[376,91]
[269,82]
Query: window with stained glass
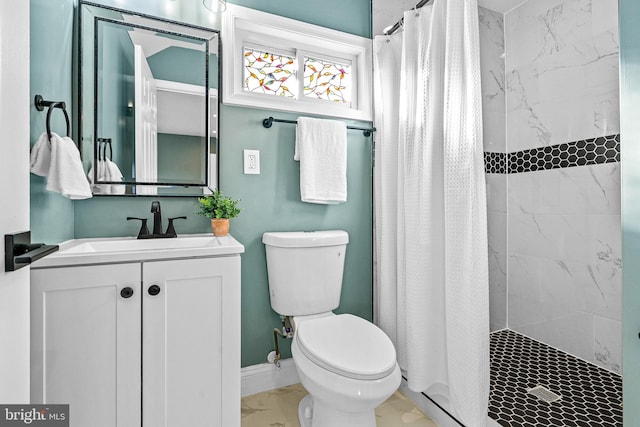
[277,63]
[327,80]
[270,73]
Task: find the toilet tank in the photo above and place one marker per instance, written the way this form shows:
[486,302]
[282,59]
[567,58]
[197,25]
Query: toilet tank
[305,270]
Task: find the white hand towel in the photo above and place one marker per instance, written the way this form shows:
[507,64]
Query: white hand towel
[98,188]
[321,147]
[41,156]
[113,174]
[66,175]
[103,176]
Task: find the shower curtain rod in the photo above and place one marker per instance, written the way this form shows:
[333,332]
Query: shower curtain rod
[398,24]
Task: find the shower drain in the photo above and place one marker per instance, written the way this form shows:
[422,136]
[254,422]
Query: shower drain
[544,394]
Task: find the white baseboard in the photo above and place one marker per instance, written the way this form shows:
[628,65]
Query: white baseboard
[432,410]
[266,376]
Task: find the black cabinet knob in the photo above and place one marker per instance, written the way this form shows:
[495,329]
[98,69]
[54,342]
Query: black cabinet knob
[154,290]
[126,292]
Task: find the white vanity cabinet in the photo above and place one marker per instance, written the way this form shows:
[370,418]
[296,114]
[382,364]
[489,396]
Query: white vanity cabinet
[191,343]
[86,342]
[154,343]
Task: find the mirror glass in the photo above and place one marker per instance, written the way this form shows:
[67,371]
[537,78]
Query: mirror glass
[148,103]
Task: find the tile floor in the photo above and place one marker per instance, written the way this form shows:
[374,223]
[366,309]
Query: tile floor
[590,396]
[279,408]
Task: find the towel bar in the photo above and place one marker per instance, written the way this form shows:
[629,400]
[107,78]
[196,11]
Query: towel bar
[268,122]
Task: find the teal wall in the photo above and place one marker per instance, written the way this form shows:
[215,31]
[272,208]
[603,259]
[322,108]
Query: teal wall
[163,66]
[106,216]
[167,65]
[52,216]
[176,154]
[350,16]
[629,14]
[116,90]
[270,201]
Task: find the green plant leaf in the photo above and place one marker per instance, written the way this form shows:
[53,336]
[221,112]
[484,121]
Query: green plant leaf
[217,205]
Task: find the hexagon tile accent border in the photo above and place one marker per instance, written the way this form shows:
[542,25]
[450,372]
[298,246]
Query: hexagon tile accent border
[590,395]
[495,162]
[603,149]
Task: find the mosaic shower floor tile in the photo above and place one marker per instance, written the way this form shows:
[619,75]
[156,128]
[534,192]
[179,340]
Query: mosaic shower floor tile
[574,393]
[279,408]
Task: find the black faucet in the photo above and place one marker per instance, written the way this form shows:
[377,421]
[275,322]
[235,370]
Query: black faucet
[144,231]
[157,217]
[157,224]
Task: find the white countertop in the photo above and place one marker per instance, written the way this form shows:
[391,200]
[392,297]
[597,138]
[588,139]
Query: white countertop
[129,249]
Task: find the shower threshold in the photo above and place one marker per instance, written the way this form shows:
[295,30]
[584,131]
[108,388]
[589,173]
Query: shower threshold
[535,385]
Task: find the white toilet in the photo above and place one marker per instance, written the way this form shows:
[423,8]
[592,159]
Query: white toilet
[347,364]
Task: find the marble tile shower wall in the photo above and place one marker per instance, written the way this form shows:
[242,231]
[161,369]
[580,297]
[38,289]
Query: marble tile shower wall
[493,110]
[563,245]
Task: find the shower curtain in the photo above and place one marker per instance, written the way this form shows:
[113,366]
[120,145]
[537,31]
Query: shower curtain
[431,293]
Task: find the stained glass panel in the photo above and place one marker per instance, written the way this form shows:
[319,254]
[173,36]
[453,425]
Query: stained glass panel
[269,73]
[327,80]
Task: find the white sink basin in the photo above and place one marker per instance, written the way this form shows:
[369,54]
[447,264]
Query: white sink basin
[129,245]
[129,249]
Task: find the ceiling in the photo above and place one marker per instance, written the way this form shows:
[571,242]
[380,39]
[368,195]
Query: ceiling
[501,6]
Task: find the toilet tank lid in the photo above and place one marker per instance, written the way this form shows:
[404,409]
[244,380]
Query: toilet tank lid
[305,239]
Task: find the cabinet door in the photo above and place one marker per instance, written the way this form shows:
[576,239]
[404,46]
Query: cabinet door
[85,343]
[191,342]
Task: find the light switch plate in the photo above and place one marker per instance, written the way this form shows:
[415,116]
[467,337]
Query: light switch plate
[251,162]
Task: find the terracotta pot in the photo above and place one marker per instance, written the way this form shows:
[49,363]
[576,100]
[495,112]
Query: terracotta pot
[220,226]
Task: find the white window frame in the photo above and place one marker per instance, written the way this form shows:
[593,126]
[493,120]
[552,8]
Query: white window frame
[248,27]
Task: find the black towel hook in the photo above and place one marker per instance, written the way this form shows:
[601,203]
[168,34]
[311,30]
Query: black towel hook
[40,103]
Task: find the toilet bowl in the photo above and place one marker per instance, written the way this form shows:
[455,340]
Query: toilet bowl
[349,367]
[347,364]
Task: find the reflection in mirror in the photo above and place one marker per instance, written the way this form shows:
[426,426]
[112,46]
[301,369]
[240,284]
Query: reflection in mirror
[149,104]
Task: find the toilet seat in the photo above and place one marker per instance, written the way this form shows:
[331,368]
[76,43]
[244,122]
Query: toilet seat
[347,345]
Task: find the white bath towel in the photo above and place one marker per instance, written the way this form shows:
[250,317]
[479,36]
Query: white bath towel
[41,156]
[321,147]
[66,175]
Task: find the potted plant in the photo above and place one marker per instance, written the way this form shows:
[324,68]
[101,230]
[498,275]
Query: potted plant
[219,208]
